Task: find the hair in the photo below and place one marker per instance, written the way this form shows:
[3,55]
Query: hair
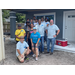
[33,16]
[39,19]
[27,18]
[21,37]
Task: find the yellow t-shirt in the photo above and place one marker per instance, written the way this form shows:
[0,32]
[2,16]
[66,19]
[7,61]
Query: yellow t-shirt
[19,32]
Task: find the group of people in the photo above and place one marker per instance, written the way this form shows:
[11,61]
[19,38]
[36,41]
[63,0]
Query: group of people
[32,36]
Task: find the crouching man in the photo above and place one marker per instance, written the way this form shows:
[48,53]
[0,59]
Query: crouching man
[22,49]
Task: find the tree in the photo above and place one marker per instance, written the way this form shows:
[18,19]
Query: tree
[5,14]
[20,18]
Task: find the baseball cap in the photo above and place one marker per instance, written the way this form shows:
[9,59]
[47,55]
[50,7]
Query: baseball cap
[34,27]
[21,37]
[19,25]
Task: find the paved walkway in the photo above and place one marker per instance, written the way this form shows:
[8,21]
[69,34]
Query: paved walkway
[58,58]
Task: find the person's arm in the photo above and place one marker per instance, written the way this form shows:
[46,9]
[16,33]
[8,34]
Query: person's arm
[57,33]
[31,42]
[24,34]
[18,52]
[58,30]
[38,41]
[27,36]
[17,36]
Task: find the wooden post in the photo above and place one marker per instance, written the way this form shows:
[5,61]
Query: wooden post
[2,50]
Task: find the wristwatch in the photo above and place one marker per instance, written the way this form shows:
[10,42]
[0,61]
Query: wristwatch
[56,34]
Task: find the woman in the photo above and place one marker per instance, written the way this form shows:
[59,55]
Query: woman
[27,29]
[28,35]
[35,42]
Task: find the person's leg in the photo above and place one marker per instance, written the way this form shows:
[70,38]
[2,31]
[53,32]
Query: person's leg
[42,43]
[36,51]
[33,47]
[48,44]
[52,46]
[28,51]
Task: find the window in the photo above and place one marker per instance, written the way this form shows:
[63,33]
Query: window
[71,16]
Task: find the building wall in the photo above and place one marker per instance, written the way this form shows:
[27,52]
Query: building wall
[59,18]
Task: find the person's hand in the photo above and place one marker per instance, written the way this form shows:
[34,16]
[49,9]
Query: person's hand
[54,35]
[32,44]
[22,56]
[26,39]
[36,44]
[47,25]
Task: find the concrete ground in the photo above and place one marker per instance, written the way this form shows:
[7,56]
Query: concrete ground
[58,58]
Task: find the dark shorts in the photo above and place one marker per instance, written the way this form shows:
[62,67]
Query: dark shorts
[34,45]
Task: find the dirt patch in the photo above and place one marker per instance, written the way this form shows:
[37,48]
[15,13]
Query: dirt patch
[58,57]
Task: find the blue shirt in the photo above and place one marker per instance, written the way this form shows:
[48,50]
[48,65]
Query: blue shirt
[35,37]
[21,47]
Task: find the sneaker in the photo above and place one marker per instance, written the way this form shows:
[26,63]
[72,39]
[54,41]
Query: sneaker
[47,52]
[43,52]
[51,53]
[34,55]
[36,58]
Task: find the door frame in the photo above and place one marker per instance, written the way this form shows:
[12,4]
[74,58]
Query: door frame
[64,20]
[43,14]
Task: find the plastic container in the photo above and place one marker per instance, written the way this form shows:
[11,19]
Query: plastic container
[61,42]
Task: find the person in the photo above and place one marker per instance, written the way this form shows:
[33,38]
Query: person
[29,33]
[35,41]
[45,35]
[19,32]
[52,28]
[31,21]
[36,24]
[21,51]
[26,21]
[34,19]
[27,28]
[41,29]
[42,20]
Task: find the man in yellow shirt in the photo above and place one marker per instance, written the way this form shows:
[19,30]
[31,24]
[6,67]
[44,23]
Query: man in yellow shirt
[19,32]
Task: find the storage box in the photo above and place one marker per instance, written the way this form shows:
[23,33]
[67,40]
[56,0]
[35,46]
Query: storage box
[61,42]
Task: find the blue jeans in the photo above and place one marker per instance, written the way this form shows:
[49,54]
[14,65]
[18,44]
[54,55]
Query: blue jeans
[45,37]
[42,43]
[52,40]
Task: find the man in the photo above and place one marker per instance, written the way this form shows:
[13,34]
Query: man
[52,28]
[34,19]
[45,35]
[21,51]
[19,32]
[26,21]
[41,29]
[36,24]
[42,20]
[27,28]
[35,40]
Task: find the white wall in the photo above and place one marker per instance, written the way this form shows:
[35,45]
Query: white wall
[2,50]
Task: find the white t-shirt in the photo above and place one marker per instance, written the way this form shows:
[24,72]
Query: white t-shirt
[21,47]
[52,30]
[46,24]
[42,21]
[41,28]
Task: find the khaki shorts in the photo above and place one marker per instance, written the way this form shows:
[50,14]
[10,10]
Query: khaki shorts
[20,58]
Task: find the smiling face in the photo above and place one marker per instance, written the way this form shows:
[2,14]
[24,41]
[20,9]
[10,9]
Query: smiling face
[51,22]
[34,30]
[31,25]
[39,22]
